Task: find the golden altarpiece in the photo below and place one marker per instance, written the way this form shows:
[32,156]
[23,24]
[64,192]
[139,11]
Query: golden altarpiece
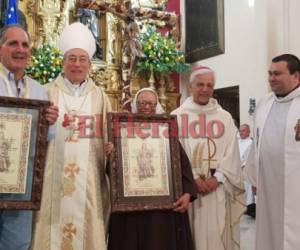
[47,18]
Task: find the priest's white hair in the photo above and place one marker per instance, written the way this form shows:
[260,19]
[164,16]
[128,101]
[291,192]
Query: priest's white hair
[158,110]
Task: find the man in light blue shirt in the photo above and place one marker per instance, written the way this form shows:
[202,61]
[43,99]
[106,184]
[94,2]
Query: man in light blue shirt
[16,225]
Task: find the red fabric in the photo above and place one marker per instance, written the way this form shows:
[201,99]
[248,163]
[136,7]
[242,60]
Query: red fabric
[200,67]
[173,5]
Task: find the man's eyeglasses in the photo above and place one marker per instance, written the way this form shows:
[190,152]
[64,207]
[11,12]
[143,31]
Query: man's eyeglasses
[144,104]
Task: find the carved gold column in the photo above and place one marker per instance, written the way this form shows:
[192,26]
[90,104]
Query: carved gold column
[113,60]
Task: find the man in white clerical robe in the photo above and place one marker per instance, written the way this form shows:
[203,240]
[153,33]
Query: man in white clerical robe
[75,202]
[245,145]
[273,165]
[209,137]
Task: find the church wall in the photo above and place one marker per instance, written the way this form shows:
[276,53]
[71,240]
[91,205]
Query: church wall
[245,61]
[293,27]
[283,27]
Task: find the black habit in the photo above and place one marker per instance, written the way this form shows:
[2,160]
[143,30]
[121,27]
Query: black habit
[155,230]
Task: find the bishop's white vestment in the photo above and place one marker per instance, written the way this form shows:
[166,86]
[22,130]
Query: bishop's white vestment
[274,168]
[75,201]
[209,137]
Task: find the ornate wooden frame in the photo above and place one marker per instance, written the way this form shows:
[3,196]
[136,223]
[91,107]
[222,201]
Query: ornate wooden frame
[119,164]
[40,126]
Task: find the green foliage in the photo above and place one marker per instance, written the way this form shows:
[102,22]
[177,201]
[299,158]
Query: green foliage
[45,63]
[160,54]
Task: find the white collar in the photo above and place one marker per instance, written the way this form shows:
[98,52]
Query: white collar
[11,76]
[289,97]
[76,89]
[192,106]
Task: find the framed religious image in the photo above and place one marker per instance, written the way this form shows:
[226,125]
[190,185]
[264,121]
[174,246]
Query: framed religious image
[204,22]
[23,143]
[145,171]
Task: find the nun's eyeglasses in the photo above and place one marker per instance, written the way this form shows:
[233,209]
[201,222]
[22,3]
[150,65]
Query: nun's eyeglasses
[144,104]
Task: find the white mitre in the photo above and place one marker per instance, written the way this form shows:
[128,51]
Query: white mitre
[77,36]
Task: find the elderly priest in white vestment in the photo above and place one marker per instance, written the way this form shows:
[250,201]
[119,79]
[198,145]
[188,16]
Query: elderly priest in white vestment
[274,162]
[75,199]
[209,137]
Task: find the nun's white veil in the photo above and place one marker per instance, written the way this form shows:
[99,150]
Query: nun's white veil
[159,109]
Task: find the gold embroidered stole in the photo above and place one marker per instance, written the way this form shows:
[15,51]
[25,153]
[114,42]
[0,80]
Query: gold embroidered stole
[72,160]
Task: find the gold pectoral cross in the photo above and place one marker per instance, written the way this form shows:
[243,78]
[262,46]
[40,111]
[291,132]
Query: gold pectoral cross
[211,152]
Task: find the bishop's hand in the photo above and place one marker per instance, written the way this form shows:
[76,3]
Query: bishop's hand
[212,184]
[202,186]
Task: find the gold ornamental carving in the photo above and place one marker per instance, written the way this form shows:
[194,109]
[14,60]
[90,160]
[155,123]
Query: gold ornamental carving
[47,18]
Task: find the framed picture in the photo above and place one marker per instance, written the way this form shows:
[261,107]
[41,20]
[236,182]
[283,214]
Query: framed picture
[23,144]
[204,21]
[145,171]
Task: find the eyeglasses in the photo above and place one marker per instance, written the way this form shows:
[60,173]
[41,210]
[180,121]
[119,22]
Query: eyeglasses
[144,104]
[81,59]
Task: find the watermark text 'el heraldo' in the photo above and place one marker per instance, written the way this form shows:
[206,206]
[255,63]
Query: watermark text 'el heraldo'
[91,126]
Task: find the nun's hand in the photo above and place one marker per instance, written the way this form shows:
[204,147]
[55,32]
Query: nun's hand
[182,204]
